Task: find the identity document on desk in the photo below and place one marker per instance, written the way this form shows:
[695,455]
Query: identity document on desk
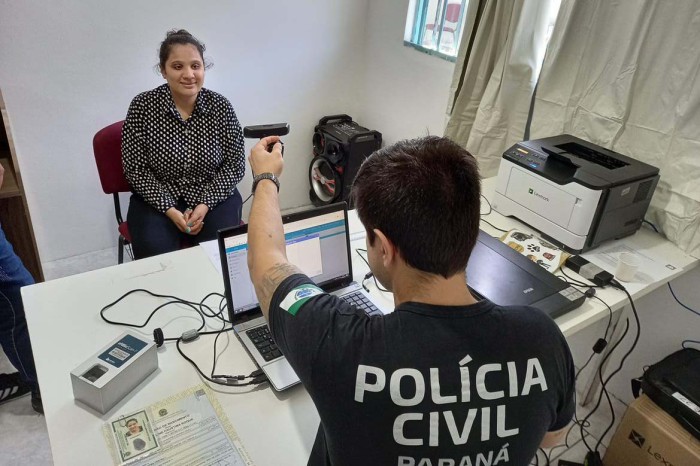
[185,428]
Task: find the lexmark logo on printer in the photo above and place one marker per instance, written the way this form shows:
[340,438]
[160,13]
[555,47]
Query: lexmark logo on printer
[636,438]
[536,194]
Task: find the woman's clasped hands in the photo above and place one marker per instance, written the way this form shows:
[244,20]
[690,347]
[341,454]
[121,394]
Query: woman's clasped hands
[190,221]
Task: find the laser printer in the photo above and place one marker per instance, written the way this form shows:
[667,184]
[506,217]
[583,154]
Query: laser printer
[576,193]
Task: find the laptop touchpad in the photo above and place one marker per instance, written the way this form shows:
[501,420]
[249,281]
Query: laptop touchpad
[281,374]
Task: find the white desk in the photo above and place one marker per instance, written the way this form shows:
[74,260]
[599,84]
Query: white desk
[65,328]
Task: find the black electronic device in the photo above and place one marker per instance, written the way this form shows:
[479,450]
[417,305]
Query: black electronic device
[502,275]
[263,131]
[589,271]
[340,145]
[674,384]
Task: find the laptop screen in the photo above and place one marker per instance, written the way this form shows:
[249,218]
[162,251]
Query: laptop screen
[317,243]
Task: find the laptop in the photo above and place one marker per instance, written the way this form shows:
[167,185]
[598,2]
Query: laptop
[318,242]
[504,276]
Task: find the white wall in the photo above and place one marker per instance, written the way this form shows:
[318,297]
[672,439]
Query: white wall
[69,68]
[405,93]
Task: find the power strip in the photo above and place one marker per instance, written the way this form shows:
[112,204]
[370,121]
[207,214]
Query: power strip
[589,271]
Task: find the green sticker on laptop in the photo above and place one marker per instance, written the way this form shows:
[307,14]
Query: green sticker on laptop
[298,296]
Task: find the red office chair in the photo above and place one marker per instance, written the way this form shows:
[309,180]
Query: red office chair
[107,146]
[452,11]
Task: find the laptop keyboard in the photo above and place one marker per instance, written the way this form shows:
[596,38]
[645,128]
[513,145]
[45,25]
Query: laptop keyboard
[261,338]
[359,300]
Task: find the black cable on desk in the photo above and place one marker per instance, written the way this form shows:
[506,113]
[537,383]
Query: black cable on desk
[600,396]
[582,424]
[588,361]
[369,274]
[610,315]
[247,198]
[216,339]
[257,377]
[684,343]
[222,306]
[679,301]
[604,383]
[576,281]
[616,284]
[651,225]
[174,300]
[489,213]
[200,308]
[490,208]
[493,226]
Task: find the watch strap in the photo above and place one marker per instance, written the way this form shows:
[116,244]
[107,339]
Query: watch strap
[265,176]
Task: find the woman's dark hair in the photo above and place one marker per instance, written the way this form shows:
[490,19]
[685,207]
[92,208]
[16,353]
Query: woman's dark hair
[424,195]
[178,37]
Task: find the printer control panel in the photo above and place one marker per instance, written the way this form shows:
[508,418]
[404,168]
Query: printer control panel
[525,157]
[552,165]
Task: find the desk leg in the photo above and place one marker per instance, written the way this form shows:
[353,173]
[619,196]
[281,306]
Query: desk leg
[593,386]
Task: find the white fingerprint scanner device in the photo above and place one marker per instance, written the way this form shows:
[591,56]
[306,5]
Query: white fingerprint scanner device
[110,374]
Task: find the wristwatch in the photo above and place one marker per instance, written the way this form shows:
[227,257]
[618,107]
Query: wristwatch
[265,176]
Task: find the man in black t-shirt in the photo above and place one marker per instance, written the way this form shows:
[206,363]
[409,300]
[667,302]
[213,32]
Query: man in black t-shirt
[444,379]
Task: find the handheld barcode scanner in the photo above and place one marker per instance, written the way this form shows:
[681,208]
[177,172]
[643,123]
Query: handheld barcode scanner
[262,131]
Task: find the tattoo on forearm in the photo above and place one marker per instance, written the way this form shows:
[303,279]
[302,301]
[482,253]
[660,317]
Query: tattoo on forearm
[271,280]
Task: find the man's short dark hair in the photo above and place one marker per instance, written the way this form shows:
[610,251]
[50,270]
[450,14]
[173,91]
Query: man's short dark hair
[424,195]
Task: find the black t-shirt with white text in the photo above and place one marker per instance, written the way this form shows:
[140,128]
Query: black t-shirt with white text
[426,384]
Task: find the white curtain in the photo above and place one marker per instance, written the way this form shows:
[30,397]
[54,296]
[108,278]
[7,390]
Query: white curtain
[500,55]
[625,75]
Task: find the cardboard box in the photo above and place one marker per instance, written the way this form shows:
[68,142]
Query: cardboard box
[648,435]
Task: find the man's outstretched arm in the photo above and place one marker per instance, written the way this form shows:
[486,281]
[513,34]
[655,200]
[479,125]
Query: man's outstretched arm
[267,257]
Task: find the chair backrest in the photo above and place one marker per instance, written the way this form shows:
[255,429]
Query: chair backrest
[107,146]
[452,13]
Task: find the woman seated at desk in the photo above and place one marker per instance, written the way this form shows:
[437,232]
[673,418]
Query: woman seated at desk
[182,151]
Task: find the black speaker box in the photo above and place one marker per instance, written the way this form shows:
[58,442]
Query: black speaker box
[340,146]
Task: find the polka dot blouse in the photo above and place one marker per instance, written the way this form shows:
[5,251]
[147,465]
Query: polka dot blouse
[199,160]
